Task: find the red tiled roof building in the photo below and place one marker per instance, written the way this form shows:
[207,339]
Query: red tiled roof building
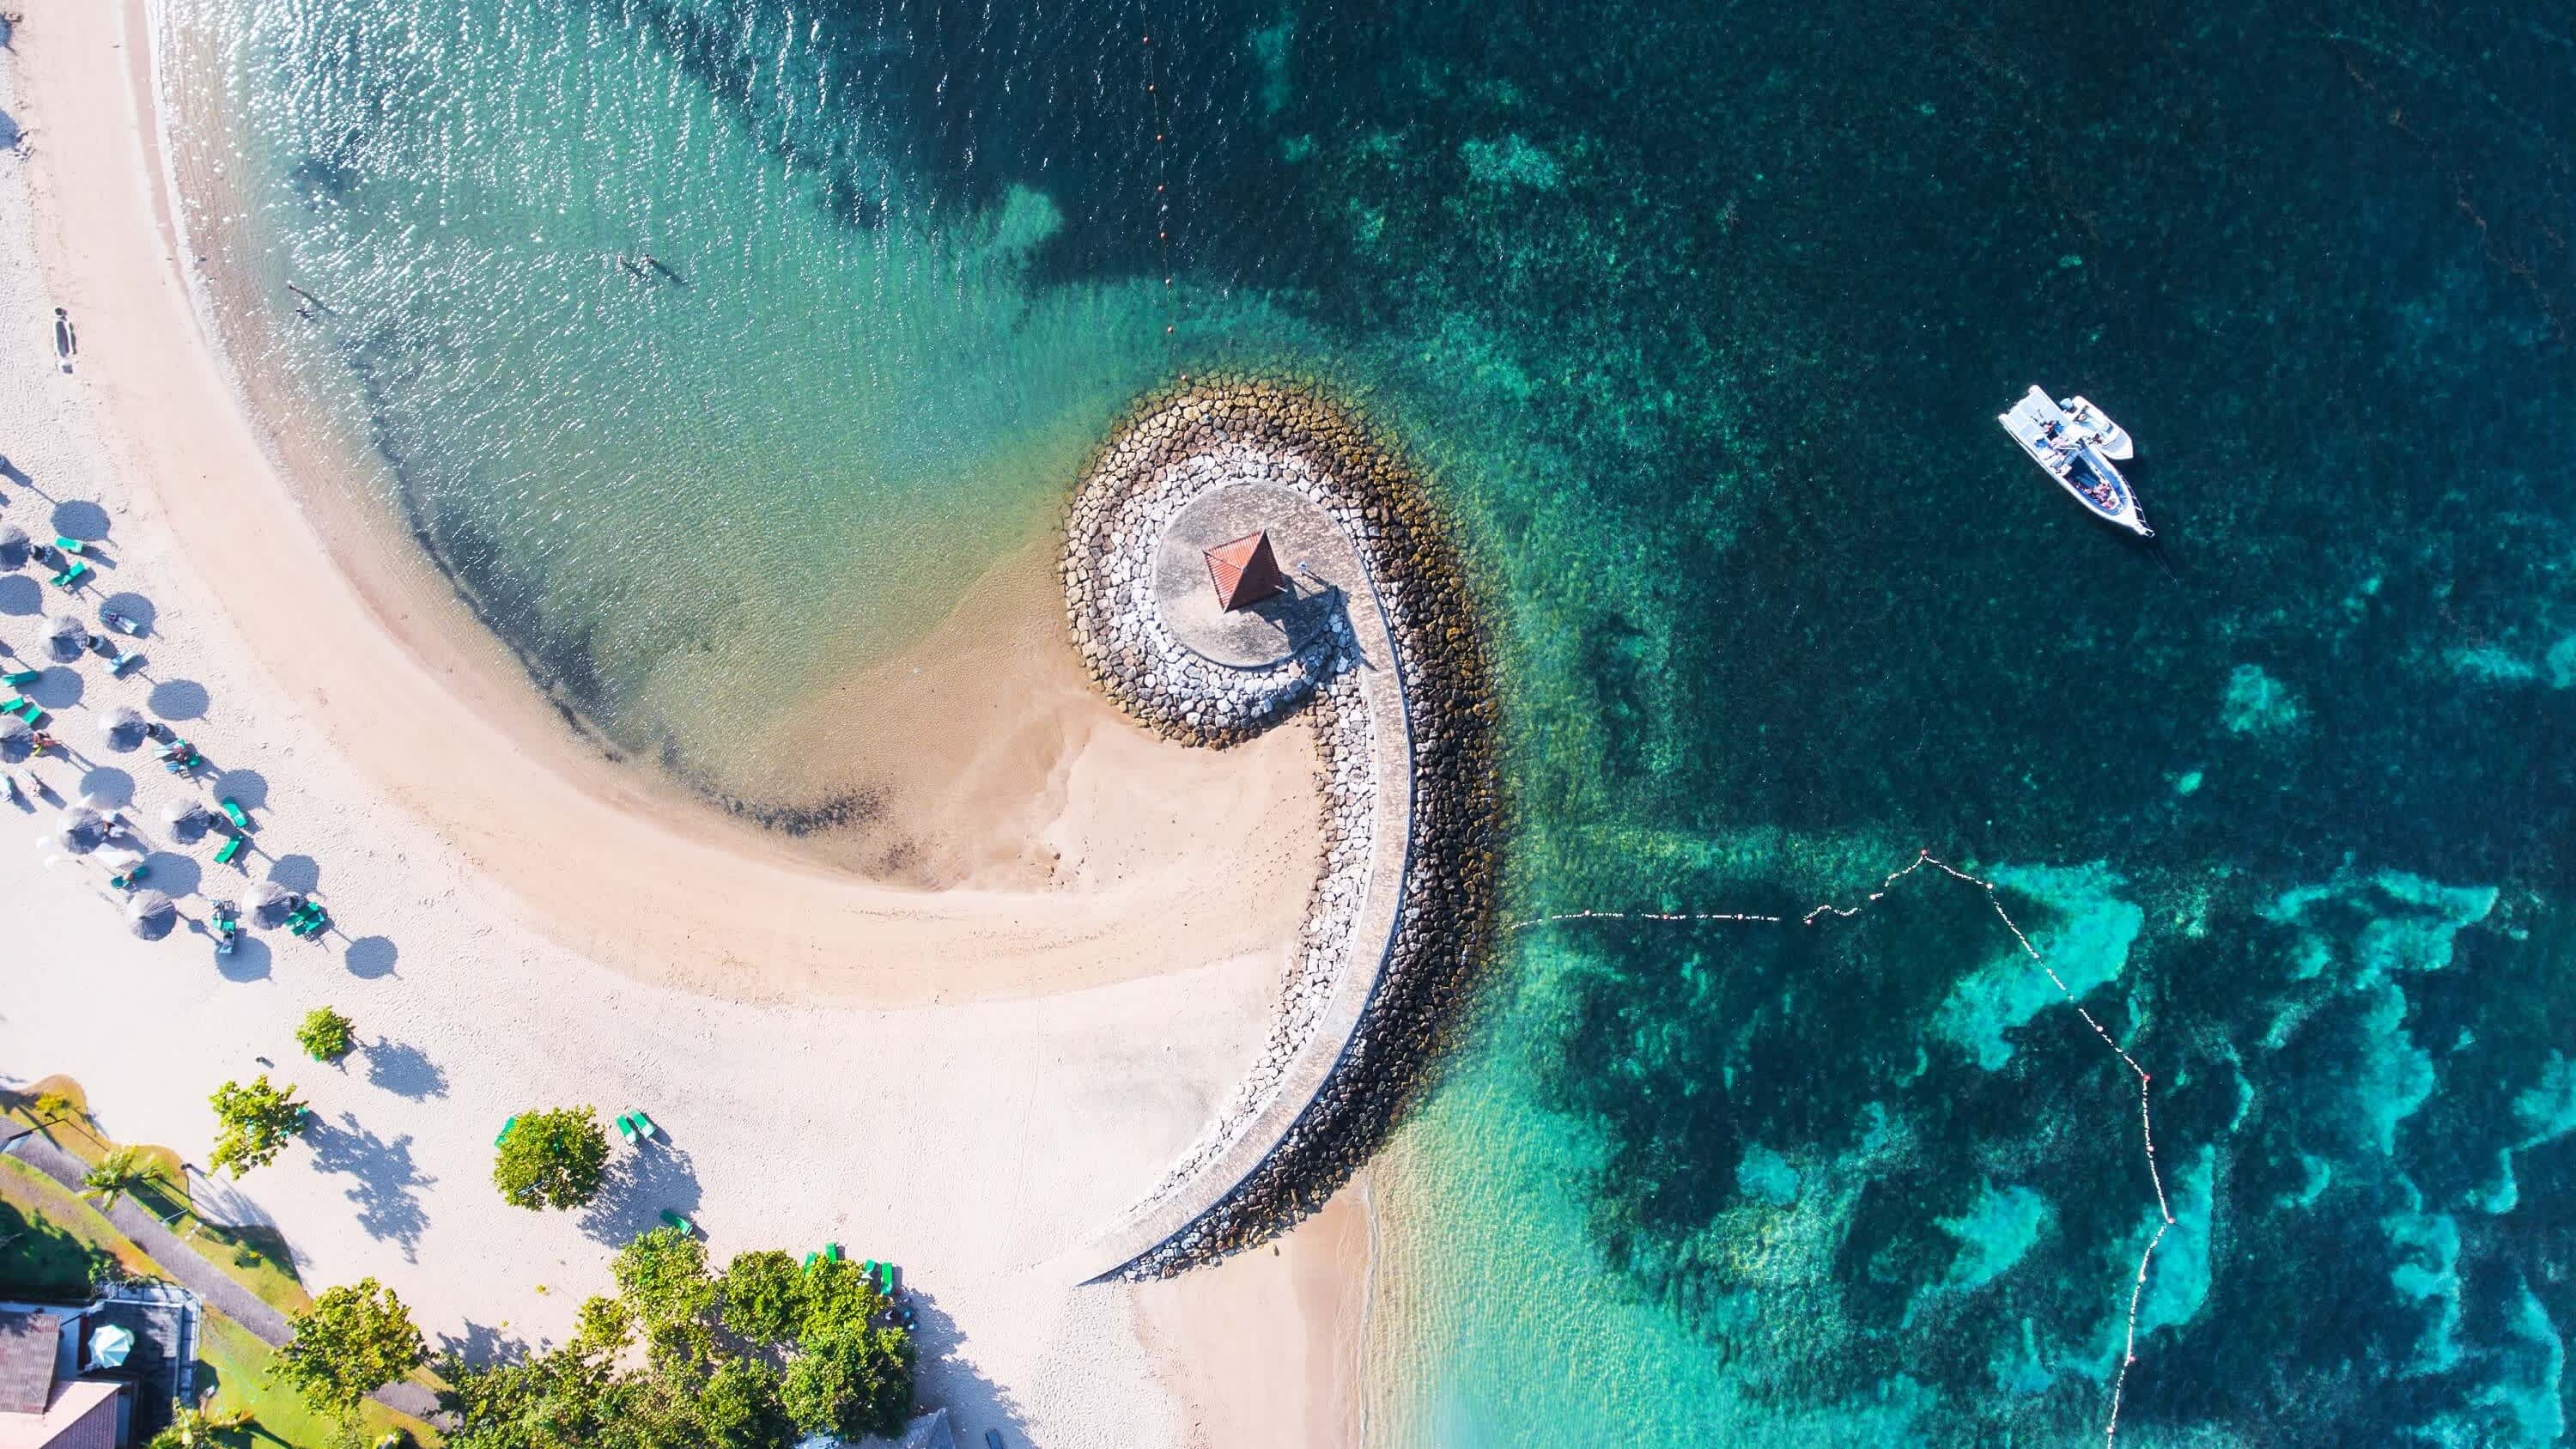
[1244,571]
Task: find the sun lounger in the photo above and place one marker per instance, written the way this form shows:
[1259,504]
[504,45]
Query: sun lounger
[23,708]
[626,1128]
[677,1220]
[122,661]
[234,813]
[831,1252]
[70,578]
[888,1275]
[70,545]
[130,879]
[232,849]
[506,1129]
[645,1125]
[22,677]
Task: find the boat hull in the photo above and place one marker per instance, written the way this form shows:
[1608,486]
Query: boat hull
[2076,444]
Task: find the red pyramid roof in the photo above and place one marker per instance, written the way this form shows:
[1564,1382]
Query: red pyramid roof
[1244,571]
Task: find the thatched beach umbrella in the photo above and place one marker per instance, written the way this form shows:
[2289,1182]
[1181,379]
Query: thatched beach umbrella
[17,739]
[65,636]
[186,818]
[81,830]
[269,902]
[13,545]
[152,913]
[123,727]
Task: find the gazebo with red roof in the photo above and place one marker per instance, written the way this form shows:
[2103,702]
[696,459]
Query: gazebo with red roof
[1244,571]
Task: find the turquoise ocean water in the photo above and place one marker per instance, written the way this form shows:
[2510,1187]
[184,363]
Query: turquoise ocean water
[1699,316]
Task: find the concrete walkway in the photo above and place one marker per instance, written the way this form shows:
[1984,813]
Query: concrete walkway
[220,1290]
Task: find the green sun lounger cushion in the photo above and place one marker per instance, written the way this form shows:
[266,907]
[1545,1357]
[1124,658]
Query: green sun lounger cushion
[832,1251]
[645,1125]
[70,545]
[672,1219]
[26,709]
[71,576]
[232,848]
[233,812]
[506,1129]
[626,1128]
[22,676]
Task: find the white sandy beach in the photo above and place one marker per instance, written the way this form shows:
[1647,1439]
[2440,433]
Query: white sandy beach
[970,1082]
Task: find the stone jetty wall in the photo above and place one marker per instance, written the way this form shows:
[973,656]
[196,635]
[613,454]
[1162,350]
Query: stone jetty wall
[1406,751]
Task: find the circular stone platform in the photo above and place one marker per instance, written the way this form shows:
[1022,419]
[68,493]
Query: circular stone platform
[1313,552]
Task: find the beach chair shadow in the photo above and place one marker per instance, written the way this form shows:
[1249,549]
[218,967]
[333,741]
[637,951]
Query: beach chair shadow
[642,1184]
[386,1185]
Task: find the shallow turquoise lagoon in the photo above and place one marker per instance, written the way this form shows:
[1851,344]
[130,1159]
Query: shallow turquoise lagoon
[725,343]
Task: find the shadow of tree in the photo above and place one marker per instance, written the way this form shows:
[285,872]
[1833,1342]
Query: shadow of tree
[405,1070]
[388,1183]
[640,1184]
[945,1378]
[483,1345]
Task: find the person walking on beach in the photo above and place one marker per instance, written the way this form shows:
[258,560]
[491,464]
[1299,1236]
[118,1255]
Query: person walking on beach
[66,338]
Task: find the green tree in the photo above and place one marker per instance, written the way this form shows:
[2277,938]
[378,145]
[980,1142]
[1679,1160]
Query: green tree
[552,1159]
[200,1427]
[662,1279]
[739,1408]
[257,1120]
[850,1381]
[764,1297]
[326,1035]
[118,1173]
[354,1340]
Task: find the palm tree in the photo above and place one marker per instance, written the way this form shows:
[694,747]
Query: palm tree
[117,1174]
[200,1427]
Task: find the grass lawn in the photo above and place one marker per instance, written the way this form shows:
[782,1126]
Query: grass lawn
[257,1258]
[61,1236]
[50,1236]
[235,1363]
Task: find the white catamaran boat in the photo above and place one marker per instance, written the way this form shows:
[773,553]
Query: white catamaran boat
[2077,443]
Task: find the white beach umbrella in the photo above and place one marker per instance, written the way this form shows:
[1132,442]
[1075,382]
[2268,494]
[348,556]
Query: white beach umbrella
[185,817]
[109,1346]
[81,830]
[123,726]
[269,902]
[13,544]
[17,739]
[152,913]
[65,635]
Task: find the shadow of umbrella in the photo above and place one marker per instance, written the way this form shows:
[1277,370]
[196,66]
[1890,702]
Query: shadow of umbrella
[13,546]
[17,739]
[152,914]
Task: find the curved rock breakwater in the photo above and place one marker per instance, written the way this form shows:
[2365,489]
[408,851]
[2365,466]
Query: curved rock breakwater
[1382,652]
